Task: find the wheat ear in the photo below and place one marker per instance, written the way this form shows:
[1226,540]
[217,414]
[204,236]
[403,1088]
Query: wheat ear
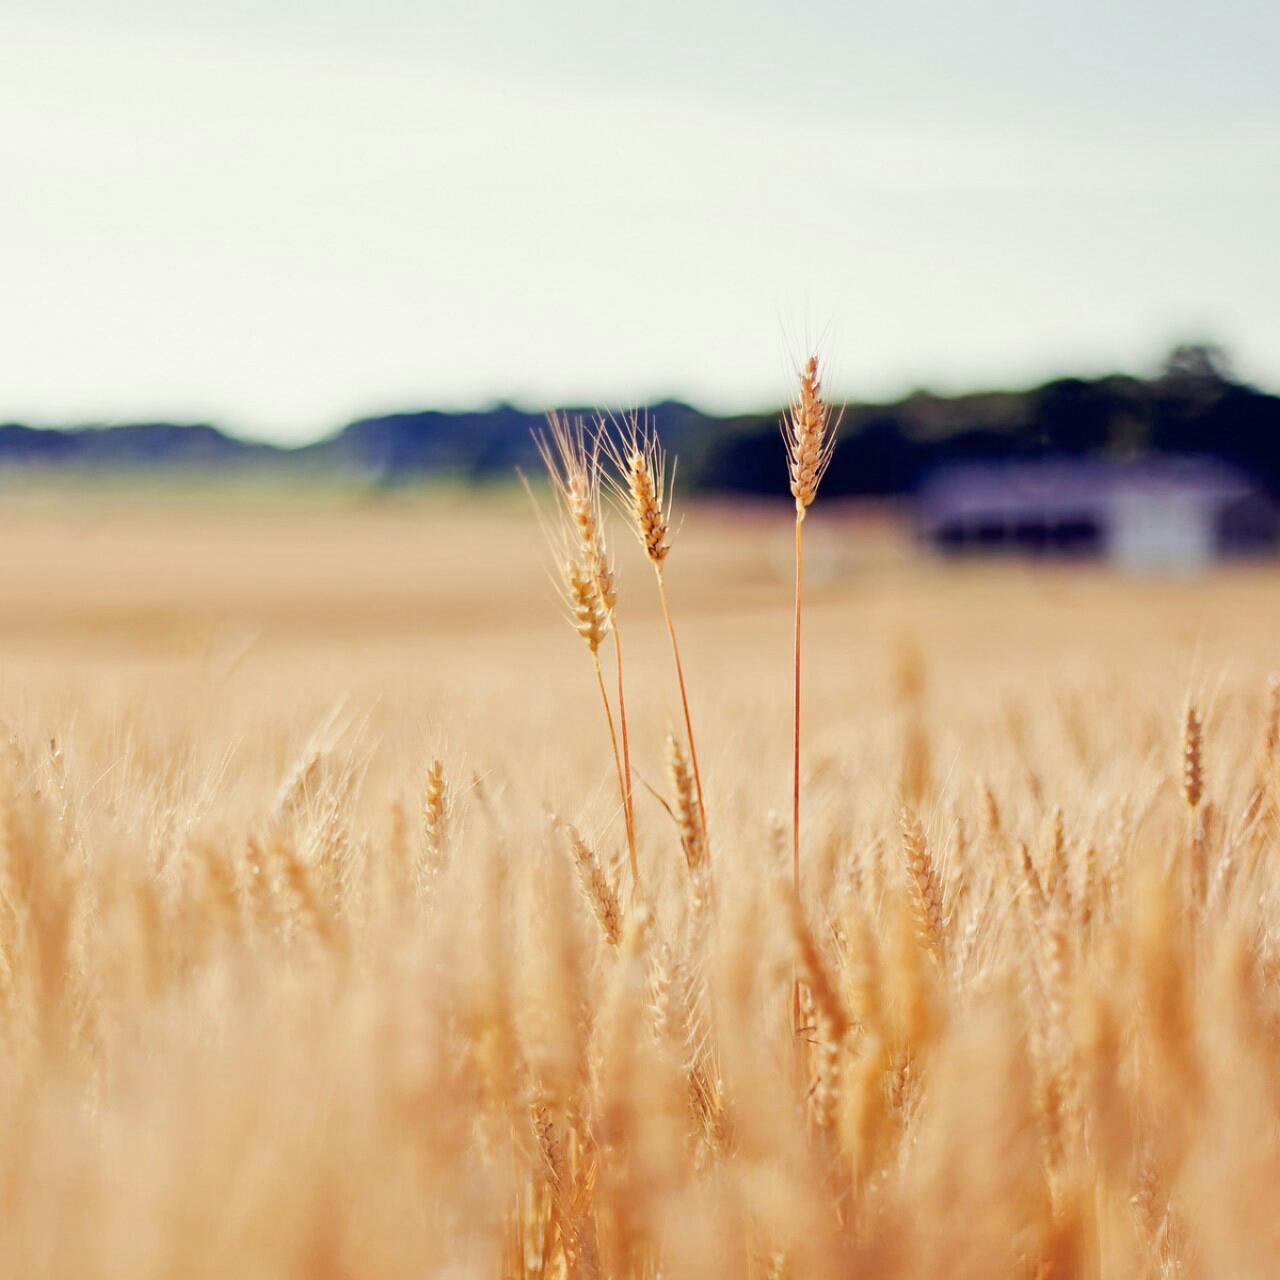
[436,809]
[691,835]
[1192,766]
[1193,793]
[596,888]
[926,888]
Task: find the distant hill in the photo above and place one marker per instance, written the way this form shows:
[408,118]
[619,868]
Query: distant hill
[480,444]
[1195,405]
[474,445]
[161,444]
[468,444]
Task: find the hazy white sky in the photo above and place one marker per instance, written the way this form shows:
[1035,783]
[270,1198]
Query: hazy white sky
[279,215]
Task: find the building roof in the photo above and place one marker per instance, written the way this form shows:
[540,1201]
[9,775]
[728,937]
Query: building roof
[1072,488]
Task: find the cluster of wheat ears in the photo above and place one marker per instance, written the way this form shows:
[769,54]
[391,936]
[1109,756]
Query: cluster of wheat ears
[1020,1023]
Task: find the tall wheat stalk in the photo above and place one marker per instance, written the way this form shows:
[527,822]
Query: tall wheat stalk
[589,582]
[809,435]
[642,486]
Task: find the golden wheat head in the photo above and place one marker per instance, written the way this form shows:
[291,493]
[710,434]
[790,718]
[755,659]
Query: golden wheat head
[810,437]
[641,480]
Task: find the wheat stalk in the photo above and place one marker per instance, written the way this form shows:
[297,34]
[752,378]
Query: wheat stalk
[590,584]
[809,435]
[642,485]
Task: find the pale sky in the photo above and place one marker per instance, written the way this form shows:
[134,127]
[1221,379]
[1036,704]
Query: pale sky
[279,216]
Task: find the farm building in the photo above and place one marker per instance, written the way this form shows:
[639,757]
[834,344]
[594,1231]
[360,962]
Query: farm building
[1159,513]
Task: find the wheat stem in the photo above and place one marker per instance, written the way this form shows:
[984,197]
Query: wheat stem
[684,705]
[628,802]
[617,757]
[641,488]
[795,753]
[809,436]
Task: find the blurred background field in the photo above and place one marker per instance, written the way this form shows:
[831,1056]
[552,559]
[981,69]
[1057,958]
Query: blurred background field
[430,619]
[116,575]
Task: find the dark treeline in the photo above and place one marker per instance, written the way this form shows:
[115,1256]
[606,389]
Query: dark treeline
[1194,406]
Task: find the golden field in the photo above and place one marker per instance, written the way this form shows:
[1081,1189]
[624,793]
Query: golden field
[261,1019]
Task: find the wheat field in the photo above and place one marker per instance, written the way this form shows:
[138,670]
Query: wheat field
[321,952]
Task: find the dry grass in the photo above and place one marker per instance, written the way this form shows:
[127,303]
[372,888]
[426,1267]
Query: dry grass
[301,977]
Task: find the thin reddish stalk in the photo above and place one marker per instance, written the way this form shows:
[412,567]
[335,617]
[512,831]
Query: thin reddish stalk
[795,773]
[684,705]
